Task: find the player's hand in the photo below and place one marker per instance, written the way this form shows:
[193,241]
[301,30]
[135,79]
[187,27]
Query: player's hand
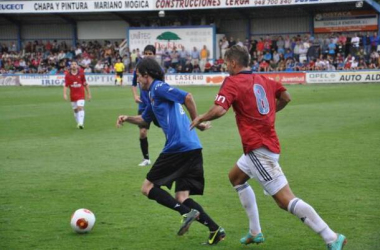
[137,99]
[65,97]
[120,120]
[204,126]
[197,123]
[89,97]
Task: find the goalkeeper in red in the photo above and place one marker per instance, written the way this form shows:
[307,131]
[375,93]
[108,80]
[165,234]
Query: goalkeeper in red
[76,81]
[255,100]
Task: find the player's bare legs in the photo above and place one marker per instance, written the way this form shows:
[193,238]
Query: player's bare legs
[247,197]
[144,147]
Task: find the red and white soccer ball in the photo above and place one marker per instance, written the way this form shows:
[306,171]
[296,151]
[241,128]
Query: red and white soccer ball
[82,220]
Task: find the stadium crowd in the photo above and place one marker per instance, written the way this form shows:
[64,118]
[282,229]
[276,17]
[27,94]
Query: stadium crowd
[335,51]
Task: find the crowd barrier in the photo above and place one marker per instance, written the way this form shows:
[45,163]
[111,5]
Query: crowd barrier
[312,77]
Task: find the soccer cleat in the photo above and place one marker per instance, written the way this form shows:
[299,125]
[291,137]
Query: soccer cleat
[187,219]
[216,236]
[249,239]
[144,163]
[338,244]
[80,126]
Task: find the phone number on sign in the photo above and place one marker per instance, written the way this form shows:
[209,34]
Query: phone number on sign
[272,2]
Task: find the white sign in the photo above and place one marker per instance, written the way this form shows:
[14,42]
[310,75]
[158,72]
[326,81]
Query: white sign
[345,21]
[170,37]
[59,80]
[343,77]
[109,79]
[13,7]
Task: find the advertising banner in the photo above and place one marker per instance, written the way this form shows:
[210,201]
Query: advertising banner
[35,7]
[108,79]
[287,78]
[317,77]
[9,80]
[343,77]
[170,37]
[345,21]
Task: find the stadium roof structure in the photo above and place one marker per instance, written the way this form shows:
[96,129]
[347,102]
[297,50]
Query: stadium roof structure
[137,18]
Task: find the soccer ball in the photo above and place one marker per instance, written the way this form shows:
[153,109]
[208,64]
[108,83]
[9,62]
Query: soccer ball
[82,220]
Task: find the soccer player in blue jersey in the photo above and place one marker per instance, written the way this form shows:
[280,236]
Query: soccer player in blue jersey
[143,101]
[181,159]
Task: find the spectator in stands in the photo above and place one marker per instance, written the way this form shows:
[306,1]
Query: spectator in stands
[302,53]
[375,42]
[367,44]
[224,45]
[204,55]
[207,68]
[332,48]
[196,68]
[260,45]
[188,67]
[276,56]
[362,64]
[127,61]
[174,56]
[183,56]
[78,51]
[355,40]
[231,42]
[267,56]
[280,45]
[195,56]
[255,66]
[99,67]
[264,66]
[288,54]
[272,65]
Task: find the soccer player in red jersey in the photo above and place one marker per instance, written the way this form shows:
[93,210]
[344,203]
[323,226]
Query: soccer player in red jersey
[255,100]
[76,81]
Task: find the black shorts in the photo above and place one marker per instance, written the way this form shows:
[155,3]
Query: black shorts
[139,112]
[184,168]
[119,74]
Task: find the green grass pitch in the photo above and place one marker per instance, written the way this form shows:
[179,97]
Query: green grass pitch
[330,138]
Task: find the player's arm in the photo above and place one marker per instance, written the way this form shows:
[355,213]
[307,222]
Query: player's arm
[192,109]
[283,100]
[215,112]
[65,88]
[65,92]
[138,120]
[134,88]
[87,87]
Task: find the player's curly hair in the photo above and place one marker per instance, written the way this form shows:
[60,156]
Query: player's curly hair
[149,66]
[238,54]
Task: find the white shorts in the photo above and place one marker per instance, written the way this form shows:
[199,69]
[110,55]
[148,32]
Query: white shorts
[262,165]
[79,103]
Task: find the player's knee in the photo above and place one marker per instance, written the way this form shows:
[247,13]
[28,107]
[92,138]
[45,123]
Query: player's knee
[143,133]
[145,189]
[283,205]
[80,108]
[181,197]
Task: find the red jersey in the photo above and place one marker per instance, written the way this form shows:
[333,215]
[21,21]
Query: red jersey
[253,98]
[76,84]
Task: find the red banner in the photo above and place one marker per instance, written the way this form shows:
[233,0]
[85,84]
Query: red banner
[287,78]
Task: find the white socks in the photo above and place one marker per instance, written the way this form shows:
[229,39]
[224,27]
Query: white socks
[80,117]
[308,216]
[248,200]
[76,117]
